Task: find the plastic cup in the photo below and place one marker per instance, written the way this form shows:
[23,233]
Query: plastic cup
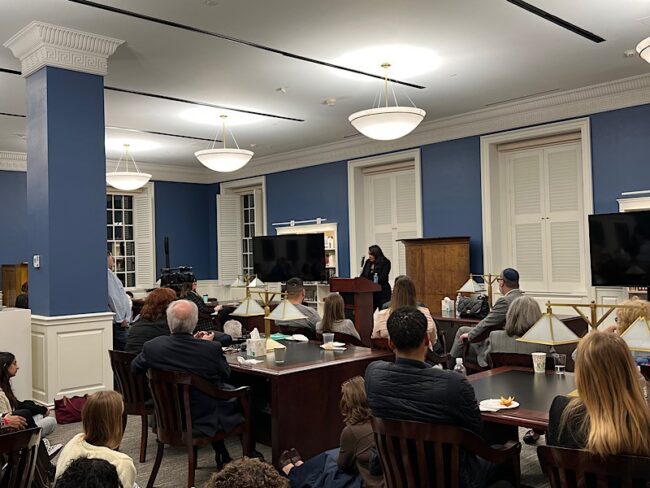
[328,337]
[539,362]
[560,363]
[280,354]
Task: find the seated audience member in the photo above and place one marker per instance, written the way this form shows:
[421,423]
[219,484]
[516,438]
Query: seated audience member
[247,473]
[509,287]
[409,389]
[152,321]
[199,355]
[522,315]
[35,415]
[101,419]
[188,292]
[85,472]
[22,300]
[296,295]
[611,415]
[334,317]
[386,305]
[403,296]
[357,443]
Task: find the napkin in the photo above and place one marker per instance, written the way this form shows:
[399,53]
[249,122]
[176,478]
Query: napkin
[255,334]
[279,336]
[299,338]
[241,360]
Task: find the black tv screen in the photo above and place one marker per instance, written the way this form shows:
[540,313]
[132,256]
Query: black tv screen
[279,258]
[620,249]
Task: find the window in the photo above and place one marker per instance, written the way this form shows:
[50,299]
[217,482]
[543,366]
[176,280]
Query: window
[129,235]
[120,236]
[248,232]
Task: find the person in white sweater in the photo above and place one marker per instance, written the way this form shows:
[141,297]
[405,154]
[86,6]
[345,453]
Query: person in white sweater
[101,437]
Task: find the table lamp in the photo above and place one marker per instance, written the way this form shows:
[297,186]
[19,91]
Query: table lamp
[256,283]
[637,335]
[240,282]
[471,286]
[549,330]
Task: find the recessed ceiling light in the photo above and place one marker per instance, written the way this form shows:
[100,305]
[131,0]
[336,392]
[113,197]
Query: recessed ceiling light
[135,145]
[210,116]
[329,101]
[405,61]
[630,53]
[281,90]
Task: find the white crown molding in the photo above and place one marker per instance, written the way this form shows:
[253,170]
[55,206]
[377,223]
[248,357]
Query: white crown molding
[569,104]
[84,318]
[13,161]
[39,44]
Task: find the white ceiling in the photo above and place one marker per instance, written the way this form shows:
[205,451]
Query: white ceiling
[490,50]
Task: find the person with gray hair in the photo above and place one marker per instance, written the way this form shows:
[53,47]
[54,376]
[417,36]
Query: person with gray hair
[200,355]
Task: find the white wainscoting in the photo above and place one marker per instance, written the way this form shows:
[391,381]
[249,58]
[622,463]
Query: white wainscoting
[70,355]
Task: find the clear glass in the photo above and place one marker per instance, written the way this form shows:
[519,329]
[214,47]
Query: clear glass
[560,363]
[328,337]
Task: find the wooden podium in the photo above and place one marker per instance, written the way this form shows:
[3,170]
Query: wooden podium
[357,296]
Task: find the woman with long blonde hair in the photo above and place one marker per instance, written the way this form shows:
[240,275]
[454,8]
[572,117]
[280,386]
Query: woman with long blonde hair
[101,419]
[334,317]
[611,415]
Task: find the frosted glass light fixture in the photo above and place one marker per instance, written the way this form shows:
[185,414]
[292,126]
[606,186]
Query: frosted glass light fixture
[127,180]
[256,283]
[238,283]
[549,330]
[387,123]
[248,308]
[286,311]
[471,286]
[637,335]
[224,160]
[643,48]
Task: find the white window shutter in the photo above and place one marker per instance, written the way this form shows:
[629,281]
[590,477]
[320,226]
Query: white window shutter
[143,227]
[229,230]
[258,195]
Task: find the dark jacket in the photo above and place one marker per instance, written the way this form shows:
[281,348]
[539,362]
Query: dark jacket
[205,312]
[570,436]
[382,268]
[22,301]
[144,330]
[411,390]
[182,352]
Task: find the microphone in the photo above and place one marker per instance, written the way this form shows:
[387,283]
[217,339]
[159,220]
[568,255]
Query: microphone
[363,261]
[166,248]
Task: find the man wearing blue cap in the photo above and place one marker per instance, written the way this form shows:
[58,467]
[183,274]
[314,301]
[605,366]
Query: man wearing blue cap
[509,287]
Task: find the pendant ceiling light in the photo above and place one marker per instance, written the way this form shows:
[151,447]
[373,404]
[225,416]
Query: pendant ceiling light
[127,180]
[225,159]
[643,48]
[388,122]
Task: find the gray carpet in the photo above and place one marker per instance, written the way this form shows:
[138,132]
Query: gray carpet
[173,470]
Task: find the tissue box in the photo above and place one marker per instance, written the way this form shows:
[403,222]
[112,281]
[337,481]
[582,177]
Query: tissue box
[256,348]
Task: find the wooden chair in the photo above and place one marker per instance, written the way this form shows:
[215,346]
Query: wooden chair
[135,392]
[290,330]
[573,468]
[20,450]
[171,396]
[645,371]
[419,455]
[345,338]
[471,365]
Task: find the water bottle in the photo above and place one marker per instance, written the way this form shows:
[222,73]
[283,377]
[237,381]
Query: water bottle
[375,278]
[456,305]
[459,368]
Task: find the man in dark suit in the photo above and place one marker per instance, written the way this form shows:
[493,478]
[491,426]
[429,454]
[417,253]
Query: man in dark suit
[410,389]
[200,355]
[509,287]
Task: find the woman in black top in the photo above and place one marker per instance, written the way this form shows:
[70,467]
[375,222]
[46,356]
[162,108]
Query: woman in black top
[377,269]
[188,292]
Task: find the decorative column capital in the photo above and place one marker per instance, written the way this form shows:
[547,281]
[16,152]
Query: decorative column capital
[39,44]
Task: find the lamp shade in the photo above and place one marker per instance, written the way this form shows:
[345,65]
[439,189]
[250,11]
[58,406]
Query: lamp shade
[637,335]
[256,283]
[551,331]
[127,180]
[248,308]
[643,48]
[387,123]
[238,283]
[224,160]
[286,311]
[471,286]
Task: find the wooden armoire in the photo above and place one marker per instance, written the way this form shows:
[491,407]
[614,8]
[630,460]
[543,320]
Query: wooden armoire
[439,266]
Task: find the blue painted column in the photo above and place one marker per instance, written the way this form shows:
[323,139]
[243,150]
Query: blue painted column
[66,192]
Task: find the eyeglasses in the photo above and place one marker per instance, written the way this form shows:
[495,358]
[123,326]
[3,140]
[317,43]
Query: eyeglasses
[500,280]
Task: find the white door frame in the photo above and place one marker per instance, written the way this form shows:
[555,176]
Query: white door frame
[356,197]
[490,158]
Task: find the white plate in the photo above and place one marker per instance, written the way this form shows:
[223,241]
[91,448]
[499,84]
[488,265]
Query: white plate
[334,348]
[494,404]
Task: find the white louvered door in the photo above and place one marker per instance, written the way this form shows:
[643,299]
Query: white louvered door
[392,215]
[547,236]
[230,240]
[143,218]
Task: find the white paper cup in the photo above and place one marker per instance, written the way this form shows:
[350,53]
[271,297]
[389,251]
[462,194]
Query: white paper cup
[539,362]
[280,354]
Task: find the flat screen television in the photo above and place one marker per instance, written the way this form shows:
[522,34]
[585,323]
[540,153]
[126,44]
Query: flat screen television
[620,249]
[279,258]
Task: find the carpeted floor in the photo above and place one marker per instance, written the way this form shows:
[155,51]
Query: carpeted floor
[173,470]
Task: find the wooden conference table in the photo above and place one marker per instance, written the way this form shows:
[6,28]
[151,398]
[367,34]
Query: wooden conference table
[534,392]
[296,404]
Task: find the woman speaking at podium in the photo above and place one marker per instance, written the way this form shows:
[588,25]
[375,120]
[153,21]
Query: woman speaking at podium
[376,269]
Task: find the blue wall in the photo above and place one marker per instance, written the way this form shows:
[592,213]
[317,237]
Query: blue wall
[185,212]
[451,193]
[307,193]
[620,154]
[13,233]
